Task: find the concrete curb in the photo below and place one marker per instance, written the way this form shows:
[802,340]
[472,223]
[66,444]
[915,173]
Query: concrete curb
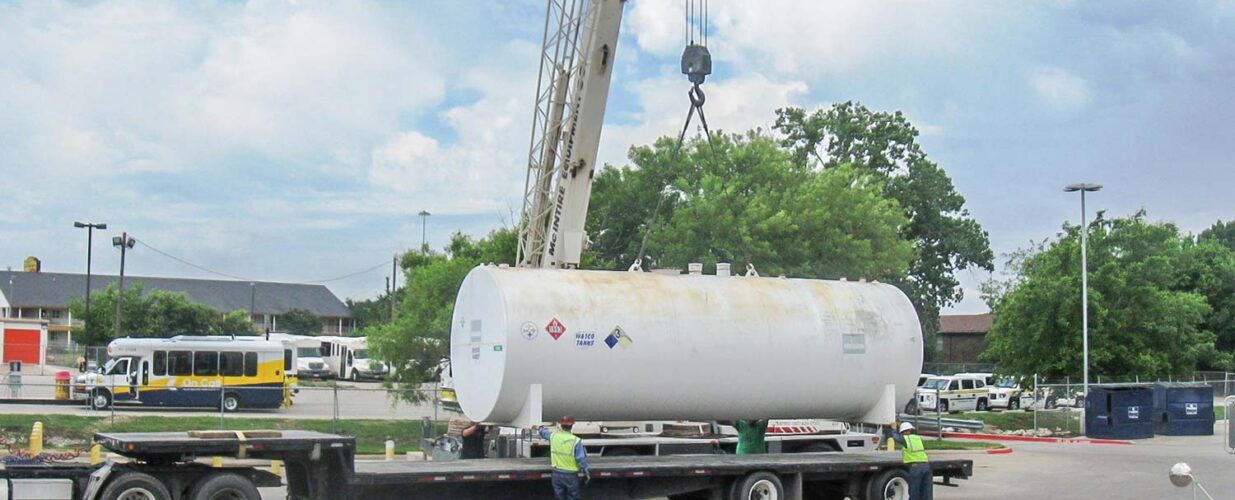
[41,401]
[1033,439]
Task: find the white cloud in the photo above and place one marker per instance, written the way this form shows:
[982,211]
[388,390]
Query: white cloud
[657,26]
[1059,88]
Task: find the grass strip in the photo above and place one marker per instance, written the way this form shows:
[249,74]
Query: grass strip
[76,431]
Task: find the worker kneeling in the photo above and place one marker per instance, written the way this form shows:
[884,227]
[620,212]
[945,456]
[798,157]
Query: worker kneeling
[568,458]
[921,481]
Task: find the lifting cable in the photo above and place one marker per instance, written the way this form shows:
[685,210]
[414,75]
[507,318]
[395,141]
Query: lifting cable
[696,65]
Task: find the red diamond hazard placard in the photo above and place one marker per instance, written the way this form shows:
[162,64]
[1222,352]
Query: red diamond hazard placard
[555,328]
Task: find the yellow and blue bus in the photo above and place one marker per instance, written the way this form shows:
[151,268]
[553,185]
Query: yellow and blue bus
[202,371]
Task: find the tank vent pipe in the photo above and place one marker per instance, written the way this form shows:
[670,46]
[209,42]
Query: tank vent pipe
[695,268]
[722,269]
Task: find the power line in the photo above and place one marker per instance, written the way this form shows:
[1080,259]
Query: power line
[345,276]
[241,278]
[190,264]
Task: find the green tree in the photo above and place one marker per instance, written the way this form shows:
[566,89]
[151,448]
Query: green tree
[419,337]
[946,239]
[1222,233]
[300,322]
[373,312]
[747,202]
[1144,318]
[1210,272]
[154,314]
[234,323]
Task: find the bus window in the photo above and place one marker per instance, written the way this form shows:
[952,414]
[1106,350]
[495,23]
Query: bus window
[119,367]
[231,364]
[205,363]
[160,363]
[324,349]
[287,360]
[250,364]
[179,363]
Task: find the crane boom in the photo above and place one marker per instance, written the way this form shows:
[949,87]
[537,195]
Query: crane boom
[576,67]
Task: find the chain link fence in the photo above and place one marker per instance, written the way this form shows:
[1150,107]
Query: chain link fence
[372,414]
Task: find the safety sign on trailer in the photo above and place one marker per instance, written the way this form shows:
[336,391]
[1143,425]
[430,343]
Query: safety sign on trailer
[555,328]
[618,337]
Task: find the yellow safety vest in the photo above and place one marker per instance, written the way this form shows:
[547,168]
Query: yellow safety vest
[913,452]
[562,451]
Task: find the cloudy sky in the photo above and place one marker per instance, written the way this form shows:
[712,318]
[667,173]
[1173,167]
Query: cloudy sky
[297,141]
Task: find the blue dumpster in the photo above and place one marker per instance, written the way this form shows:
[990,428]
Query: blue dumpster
[1183,409]
[1119,412]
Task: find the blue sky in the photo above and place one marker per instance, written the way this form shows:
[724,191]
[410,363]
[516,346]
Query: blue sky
[296,141]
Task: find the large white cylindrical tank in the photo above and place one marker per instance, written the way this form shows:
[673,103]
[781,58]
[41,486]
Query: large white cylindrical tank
[608,345]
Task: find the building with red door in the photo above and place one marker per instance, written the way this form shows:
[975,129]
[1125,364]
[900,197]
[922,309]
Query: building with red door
[23,340]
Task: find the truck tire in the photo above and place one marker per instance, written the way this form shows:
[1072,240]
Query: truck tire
[983,405]
[231,402]
[355,376]
[942,405]
[758,486]
[891,484]
[135,486]
[225,486]
[1014,403]
[100,399]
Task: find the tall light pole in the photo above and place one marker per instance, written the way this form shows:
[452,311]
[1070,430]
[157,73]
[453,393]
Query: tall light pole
[1084,187]
[124,242]
[90,227]
[253,304]
[424,221]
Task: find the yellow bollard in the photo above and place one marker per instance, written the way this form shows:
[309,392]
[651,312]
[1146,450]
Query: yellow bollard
[96,453]
[216,462]
[276,467]
[390,450]
[36,439]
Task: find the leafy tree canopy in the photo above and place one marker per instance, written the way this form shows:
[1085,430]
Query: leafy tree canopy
[299,322]
[945,238]
[154,314]
[1146,319]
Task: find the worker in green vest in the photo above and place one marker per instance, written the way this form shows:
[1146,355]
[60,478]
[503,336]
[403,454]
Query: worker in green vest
[913,451]
[569,460]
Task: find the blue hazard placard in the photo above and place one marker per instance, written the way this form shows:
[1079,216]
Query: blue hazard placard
[618,338]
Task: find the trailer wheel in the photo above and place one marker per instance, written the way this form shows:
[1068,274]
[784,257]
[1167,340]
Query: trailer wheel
[891,484]
[135,486]
[225,487]
[231,402]
[759,486]
[100,399]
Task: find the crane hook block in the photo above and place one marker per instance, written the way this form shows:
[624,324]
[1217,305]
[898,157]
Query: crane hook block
[696,63]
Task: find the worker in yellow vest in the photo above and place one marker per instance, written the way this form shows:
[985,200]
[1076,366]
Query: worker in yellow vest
[569,460]
[921,480]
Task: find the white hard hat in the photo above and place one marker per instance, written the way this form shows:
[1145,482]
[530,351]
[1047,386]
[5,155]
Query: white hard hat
[906,426]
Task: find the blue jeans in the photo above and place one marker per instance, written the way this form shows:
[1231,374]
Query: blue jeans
[565,485]
[921,482]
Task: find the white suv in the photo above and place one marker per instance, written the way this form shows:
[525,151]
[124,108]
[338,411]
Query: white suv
[954,393]
[1006,394]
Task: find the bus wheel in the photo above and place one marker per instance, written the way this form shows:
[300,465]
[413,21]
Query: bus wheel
[100,399]
[231,402]
[224,487]
[891,484]
[355,376]
[759,486]
[135,486]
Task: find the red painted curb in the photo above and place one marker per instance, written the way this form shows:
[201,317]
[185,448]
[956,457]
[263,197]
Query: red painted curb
[1000,451]
[1033,439]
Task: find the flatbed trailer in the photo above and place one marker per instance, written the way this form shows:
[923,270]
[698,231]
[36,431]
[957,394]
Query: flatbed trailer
[163,466]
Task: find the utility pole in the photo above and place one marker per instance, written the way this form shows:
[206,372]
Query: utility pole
[253,302]
[393,285]
[124,242]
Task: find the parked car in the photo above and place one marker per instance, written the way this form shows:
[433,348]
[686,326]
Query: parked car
[1006,393]
[954,393]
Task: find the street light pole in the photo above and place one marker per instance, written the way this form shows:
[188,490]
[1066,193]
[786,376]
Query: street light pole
[90,227]
[424,221]
[1083,188]
[123,242]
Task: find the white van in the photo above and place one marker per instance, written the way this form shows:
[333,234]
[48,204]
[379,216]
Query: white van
[309,360]
[954,393]
[348,358]
[1006,393]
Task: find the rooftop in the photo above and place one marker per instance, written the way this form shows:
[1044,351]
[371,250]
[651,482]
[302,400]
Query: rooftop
[56,290]
[966,323]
